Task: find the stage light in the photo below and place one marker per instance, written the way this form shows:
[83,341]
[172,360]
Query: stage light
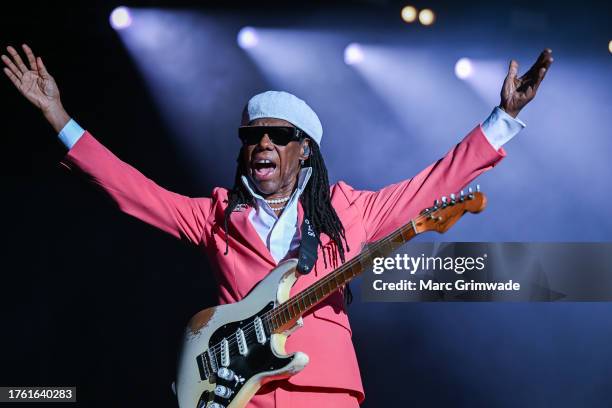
[247,37]
[427,17]
[464,68]
[353,54]
[120,18]
[409,14]
[610,46]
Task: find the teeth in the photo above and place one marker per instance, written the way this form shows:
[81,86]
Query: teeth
[263,161]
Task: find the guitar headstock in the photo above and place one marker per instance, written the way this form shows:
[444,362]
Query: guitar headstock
[447,211]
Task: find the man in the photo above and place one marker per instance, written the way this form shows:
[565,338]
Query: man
[280,180]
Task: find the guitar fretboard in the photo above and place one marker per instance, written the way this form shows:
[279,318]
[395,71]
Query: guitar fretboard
[299,304]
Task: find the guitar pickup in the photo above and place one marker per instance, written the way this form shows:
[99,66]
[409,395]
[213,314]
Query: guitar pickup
[203,367]
[260,333]
[241,341]
[225,355]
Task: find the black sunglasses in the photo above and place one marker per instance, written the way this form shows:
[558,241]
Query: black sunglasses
[279,135]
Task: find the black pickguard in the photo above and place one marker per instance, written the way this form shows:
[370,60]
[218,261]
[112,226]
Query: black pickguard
[259,357]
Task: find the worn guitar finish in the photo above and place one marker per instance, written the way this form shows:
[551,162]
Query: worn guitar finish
[230,351]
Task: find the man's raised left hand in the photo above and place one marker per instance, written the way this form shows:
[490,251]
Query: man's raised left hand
[518,92]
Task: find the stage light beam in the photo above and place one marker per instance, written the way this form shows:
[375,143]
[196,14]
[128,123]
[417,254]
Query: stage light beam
[353,54]
[248,38]
[120,18]
[464,68]
[610,46]
[427,17]
[409,14]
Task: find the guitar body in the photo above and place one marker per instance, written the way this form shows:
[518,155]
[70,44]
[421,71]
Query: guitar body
[229,336]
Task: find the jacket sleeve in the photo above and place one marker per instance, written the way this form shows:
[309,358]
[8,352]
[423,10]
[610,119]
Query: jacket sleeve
[393,206]
[135,194]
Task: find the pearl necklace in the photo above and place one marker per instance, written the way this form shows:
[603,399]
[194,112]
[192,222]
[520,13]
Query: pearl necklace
[278,200]
[278,208]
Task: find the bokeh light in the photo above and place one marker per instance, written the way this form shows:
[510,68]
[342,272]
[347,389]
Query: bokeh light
[247,37]
[353,54]
[120,18]
[409,14]
[464,68]
[427,17]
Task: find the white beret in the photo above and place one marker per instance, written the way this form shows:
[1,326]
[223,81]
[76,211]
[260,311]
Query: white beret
[283,105]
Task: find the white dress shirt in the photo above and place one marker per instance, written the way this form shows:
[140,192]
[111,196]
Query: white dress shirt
[281,234]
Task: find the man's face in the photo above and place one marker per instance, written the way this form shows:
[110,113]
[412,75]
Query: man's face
[278,176]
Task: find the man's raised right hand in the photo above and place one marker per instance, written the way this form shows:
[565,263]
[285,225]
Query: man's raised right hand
[36,84]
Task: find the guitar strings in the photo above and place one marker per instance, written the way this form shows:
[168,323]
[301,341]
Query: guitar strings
[371,249]
[275,312]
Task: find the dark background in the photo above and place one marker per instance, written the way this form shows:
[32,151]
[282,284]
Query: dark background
[93,298]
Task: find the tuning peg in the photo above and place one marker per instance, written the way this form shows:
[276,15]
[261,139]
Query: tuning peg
[436,202]
[452,197]
[470,193]
[478,187]
[462,196]
[444,203]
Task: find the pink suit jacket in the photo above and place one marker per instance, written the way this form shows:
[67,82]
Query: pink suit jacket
[367,216]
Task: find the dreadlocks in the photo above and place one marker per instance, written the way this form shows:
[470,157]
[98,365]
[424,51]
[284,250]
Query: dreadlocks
[316,203]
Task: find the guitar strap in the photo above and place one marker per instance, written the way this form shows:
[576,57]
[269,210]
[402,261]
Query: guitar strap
[308,255]
[308,248]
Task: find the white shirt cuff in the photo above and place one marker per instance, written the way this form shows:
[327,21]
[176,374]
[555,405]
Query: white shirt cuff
[71,133]
[500,127]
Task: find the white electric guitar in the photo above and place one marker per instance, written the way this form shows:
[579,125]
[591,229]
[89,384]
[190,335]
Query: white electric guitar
[230,351]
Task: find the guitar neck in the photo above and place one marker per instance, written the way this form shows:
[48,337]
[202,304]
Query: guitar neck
[288,312]
[438,218]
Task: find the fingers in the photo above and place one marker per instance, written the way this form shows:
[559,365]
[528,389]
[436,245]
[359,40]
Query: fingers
[532,78]
[30,56]
[513,69]
[544,60]
[543,69]
[12,67]
[17,59]
[42,69]
[541,74]
[509,82]
[12,77]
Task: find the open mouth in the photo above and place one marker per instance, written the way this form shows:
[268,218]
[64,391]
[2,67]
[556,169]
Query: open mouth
[263,169]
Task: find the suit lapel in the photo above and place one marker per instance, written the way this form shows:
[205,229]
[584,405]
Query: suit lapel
[249,237]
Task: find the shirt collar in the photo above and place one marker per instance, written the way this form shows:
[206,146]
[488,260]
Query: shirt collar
[303,178]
